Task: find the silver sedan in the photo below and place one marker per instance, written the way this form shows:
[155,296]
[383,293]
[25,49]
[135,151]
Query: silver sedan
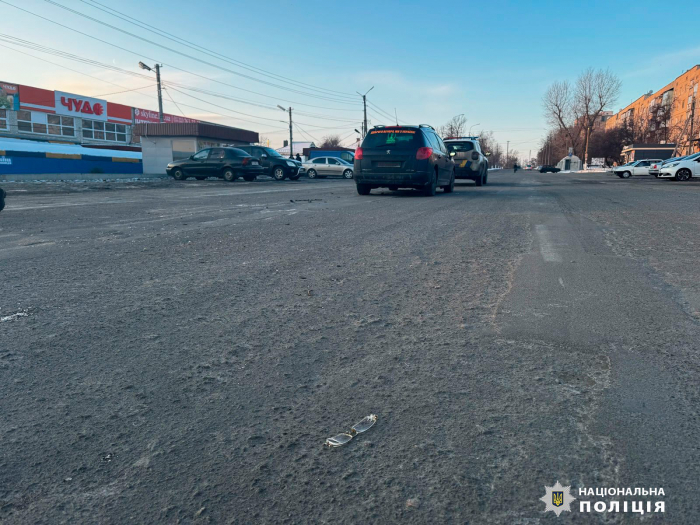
[322,167]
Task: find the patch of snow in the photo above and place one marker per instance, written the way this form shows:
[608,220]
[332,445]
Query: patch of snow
[14,316]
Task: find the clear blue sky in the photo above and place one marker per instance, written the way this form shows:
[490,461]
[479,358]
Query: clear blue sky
[490,61]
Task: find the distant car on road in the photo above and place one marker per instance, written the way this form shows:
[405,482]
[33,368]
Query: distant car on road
[549,169]
[404,157]
[226,163]
[274,164]
[638,167]
[682,169]
[470,162]
[323,167]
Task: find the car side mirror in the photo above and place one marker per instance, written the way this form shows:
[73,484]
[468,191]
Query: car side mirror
[191,157]
[264,155]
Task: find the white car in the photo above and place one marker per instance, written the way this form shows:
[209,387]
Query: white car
[639,167]
[683,169]
[323,167]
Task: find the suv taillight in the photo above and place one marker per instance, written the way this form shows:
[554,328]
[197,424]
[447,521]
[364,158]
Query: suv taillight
[424,153]
[246,160]
[358,154]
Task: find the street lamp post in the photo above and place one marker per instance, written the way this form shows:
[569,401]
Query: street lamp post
[291,147]
[470,128]
[160,94]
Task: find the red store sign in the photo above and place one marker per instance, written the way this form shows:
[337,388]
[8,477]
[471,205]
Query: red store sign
[79,106]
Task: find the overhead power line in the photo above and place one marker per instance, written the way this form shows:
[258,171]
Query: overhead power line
[118,85]
[337,98]
[149,58]
[186,43]
[173,101]
[124,91]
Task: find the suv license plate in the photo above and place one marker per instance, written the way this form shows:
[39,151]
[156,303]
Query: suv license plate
[388,164]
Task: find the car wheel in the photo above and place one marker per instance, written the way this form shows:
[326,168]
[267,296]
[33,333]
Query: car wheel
[278,173]
[431,189]
[311,174]
[683,174]
[486,177]
[347,174]
[249,178]
[364,189]
[2,201]
[625,175]
[451,186]
[230,175]
[480,179]
[179,175]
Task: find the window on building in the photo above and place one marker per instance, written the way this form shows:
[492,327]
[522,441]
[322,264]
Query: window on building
[3,119]
[93,129]
[63,126]
[24,121]
[32,122]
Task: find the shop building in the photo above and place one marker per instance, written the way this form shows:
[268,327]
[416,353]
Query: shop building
[163,143]
[32,113]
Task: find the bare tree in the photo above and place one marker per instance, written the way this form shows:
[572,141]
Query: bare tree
[330,141]
[558,103]
[455,127]
[595,91]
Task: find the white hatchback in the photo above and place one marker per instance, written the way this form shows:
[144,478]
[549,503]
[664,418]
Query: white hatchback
[683,169]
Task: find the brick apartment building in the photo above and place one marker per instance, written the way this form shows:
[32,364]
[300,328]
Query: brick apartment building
[665,116]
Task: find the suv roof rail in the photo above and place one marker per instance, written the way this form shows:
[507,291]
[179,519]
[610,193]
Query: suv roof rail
[426,126]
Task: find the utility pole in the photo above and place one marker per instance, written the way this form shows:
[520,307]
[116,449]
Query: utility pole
[364,103]
[291,152]
[160,94]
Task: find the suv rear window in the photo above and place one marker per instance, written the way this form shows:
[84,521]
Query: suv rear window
[399,138]
[459,146]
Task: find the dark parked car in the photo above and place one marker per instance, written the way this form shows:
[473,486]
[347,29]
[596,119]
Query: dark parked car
[549,169]
[227,163]
[274,164]
[2,199]
[404,157]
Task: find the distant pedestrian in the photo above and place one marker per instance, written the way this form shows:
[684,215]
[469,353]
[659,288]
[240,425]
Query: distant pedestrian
[298,157]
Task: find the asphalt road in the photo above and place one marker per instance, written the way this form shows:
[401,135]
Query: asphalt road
[179,352]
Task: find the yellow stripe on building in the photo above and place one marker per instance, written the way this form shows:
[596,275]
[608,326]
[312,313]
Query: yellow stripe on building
[124,159]
[2,153]
[75,156]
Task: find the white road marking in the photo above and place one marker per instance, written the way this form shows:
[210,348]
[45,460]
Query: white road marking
[561,281]
[549,253]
